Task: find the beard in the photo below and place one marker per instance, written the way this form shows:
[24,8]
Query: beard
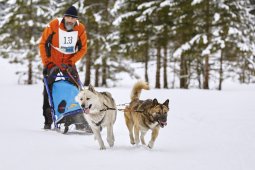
[69,25]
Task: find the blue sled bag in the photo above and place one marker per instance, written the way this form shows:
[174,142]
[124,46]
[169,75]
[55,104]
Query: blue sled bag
[63,94]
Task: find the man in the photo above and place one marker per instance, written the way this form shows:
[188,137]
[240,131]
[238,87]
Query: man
[63,43]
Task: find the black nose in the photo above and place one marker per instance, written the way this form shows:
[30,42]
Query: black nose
[163,117]
[83,105]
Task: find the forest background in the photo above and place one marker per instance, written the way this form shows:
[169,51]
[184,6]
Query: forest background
[189,43]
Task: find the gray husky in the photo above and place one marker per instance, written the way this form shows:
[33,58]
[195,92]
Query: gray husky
[100,111]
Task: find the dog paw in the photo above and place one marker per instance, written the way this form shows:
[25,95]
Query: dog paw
[150,145]
[102,147]
[132,141]
[111,143]
[143,142]
[137,142]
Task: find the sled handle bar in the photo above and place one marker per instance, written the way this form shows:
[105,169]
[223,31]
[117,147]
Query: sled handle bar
[60,76]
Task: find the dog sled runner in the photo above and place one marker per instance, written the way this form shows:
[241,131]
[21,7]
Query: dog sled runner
[61,94]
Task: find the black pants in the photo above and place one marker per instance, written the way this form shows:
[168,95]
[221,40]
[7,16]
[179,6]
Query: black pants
[46,106]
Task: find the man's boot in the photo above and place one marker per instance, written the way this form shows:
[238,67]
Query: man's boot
[48,118]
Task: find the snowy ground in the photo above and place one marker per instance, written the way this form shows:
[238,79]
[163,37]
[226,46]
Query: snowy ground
[207,130]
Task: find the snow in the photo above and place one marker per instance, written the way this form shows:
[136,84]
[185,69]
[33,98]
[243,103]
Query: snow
[30,23]
[187,45]
[98,18]
[166,3]
[142,18]
[39,11]
[233,30]
[124,16]
[205,40]
[216,17]
[216,32]
[206,129]
[146,5]
[207,50]
[223,6]
[194,2]
[180,50]
[243,46]
[117,6]
[149,11]
[11,2]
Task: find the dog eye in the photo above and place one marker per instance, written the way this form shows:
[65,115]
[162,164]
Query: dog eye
[81,99]
[88,98]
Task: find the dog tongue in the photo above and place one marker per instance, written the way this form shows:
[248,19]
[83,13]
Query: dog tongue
[86,111]
[163,123]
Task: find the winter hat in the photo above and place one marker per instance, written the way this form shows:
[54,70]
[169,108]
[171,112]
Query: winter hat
[72,12]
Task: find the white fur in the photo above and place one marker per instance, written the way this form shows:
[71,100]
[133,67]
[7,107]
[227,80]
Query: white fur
[97,100]
[152,126]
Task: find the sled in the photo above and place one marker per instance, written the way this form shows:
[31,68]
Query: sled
[64,109]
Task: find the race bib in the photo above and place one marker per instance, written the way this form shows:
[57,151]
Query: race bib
[67,41]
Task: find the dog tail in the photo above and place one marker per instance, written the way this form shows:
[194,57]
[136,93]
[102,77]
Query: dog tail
[137,88]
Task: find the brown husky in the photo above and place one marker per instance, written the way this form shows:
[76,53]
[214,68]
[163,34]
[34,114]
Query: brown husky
[142,115]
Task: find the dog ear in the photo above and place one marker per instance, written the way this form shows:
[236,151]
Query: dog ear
[166,103]
[91,88]
[155,101]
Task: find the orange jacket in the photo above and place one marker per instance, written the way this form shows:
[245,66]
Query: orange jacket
[51,55]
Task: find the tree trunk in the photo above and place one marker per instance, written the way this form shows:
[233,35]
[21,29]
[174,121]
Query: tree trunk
[97,75]
[198,68]
[146,63]
[206,65]
[183,73]
[221,71]
[104,58]
[157,85]
[88,68]
[97,66]
[30,56]
[174,73]
[30,71]
[165,68]
[206,73]
[104,71]
[242,74]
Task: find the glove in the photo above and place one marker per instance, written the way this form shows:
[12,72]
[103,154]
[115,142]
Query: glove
[62,67]
[65,67]
[45,71]
[47,68]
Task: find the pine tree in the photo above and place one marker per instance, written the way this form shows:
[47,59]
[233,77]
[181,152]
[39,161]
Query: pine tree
[183,33]
[98,20]
[135,31]
[162,25]
[213,30]
[236,37]
[20,31]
